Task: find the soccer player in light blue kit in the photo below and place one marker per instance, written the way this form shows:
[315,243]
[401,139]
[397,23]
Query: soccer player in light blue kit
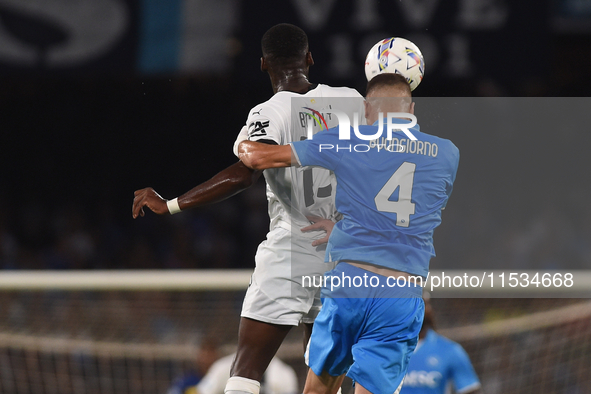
[438,363]
[391,195]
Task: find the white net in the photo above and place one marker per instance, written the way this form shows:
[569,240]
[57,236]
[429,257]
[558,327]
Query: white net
[524,345]
[92,333]
[116,332]
[107,342]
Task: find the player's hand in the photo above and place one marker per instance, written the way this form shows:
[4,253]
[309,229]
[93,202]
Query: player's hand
[319,223]
[148,198]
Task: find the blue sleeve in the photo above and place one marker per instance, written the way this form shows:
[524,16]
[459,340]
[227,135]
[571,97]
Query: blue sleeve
[454,162]
[463,374]
[320,151]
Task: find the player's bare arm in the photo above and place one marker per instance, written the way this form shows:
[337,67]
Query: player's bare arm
[259,156]
[221,186]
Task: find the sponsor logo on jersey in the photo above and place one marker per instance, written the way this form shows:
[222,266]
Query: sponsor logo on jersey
[422,379]
[257,128]
[317,116]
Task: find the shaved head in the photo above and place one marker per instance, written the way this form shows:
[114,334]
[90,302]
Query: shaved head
[387,93]
[394,82]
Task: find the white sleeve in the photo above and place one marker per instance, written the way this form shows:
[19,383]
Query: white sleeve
[263,123]
[215,380]
[266,123]
[242,136]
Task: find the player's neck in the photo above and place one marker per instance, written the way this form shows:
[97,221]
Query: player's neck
[291,80]
[423,332]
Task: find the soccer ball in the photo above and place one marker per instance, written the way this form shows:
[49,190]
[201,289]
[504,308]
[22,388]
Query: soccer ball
[396,55]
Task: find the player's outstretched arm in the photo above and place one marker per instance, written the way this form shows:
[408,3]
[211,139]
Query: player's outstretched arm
[259,156]
[224,184]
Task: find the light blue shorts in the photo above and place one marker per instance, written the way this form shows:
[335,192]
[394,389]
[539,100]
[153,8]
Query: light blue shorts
[372,338]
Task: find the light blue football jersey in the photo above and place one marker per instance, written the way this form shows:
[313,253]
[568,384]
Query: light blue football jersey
[436,365]
[390,192]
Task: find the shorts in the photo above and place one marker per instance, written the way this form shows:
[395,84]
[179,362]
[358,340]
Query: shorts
[276,294]
[371,339]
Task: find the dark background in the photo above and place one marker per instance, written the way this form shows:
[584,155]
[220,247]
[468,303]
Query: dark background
[161,103]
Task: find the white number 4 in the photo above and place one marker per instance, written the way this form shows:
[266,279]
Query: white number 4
[403,178]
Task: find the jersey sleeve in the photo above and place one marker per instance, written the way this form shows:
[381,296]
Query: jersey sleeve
[264,124]
[463,374]
[454,167]
[322,150]
[242,136]
[454,161]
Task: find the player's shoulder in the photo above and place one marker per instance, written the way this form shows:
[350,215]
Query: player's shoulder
[329,91]
[441,339]
[434,138]
[268,120]
[445,344]
[444,145]
[274,107]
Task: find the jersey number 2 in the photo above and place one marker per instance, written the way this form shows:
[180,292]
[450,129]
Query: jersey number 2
[403,178]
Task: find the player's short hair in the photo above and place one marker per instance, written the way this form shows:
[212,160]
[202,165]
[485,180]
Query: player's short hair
[388,79]
[284,43]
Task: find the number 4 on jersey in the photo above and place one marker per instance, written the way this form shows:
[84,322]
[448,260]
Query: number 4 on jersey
[403,178]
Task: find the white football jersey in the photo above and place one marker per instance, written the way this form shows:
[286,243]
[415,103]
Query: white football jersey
[294,193]
[279,378]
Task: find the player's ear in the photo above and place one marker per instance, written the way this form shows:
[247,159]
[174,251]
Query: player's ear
[264,66]
[309,60]
[367,108]
[411,110]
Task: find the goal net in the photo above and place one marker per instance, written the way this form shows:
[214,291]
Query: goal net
[135,332]
[520,346]
[111,332]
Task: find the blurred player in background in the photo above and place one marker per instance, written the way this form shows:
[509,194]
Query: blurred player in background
[438,364]
[279,378]
[391,201]
[207,355]
[276,300]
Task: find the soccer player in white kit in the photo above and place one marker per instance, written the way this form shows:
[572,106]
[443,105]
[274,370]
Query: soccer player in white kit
[276,300]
